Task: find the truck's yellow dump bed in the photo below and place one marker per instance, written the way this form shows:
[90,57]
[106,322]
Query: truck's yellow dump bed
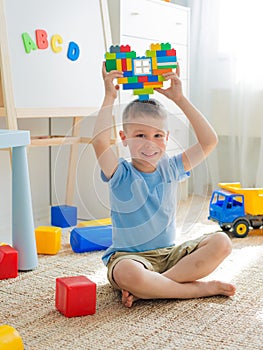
[253,196]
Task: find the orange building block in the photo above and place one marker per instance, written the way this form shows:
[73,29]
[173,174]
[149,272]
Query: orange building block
[8,262]
[48,239]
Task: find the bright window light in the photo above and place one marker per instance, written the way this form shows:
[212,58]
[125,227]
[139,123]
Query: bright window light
[240,37]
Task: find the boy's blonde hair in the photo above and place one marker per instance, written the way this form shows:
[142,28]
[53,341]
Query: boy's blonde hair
[143,108]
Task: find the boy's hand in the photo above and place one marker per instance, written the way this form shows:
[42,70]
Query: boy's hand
[110,88]
[174,92]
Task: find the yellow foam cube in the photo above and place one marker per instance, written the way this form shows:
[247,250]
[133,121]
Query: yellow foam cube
[48,239]
[10,338]
[98,222]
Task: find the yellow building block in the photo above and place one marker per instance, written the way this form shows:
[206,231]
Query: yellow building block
[129,64]
[154,63]
[155,47]
[122,80]
[119,64]
[48,239]
[98,222]
[10,338]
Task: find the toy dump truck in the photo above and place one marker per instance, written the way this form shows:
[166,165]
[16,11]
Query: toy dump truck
[236,208]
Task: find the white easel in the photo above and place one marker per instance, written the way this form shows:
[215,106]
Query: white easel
[12,112]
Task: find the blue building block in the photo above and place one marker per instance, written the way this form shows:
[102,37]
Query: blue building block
[143,97]
[152,78]
[132,86]
[63,216]
[90,238]
[128,74]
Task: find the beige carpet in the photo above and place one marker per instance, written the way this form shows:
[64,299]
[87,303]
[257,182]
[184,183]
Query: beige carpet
[28,302]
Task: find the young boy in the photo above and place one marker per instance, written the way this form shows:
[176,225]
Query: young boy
[143,261]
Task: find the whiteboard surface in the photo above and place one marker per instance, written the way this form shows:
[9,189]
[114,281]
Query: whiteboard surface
[44,79]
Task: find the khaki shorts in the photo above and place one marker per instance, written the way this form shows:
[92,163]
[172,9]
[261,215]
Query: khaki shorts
[158,260]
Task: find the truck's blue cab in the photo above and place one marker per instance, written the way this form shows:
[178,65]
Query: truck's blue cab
[226,207]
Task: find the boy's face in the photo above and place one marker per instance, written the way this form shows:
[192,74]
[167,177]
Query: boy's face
[147,140]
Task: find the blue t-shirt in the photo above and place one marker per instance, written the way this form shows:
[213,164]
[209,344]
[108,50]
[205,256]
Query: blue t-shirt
[143,206]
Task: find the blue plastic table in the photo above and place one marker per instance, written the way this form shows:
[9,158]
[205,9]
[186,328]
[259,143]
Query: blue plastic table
[23,235]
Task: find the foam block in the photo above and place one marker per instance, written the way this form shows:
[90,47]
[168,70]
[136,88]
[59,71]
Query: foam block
[85,239]
[10,338]
[63,216]
[96,222]
[8,262]
[48,239]
[75,296]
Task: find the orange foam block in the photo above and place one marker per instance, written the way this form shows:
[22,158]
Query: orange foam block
[48,239]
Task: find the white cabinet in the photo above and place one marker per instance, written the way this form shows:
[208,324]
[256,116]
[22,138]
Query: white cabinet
[139,23]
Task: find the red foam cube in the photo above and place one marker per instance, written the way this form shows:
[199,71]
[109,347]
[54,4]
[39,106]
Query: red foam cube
[8,262]
[75,296]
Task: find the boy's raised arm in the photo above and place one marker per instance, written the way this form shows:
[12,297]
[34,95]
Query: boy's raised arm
[101,139]
[205,134]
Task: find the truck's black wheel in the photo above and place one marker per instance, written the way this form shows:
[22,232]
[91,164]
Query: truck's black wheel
[225,228]
[241,229]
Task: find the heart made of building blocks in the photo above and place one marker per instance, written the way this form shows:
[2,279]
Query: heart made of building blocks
[141,74]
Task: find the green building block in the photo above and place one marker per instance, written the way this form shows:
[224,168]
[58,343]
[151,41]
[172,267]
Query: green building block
[111,65]
[132,79]
[165,46]
[150,53]
[167,66]
[131,54]
[145,91]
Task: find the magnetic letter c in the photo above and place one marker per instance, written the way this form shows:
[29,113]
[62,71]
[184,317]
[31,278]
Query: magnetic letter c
[56,39]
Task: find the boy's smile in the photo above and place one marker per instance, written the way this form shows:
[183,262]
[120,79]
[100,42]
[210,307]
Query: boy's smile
[146,142]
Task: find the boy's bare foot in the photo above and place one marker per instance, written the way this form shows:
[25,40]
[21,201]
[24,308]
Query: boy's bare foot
[211,288]
[203,289]
[127,298]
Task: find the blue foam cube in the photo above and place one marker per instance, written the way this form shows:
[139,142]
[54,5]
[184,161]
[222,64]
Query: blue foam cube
[63,216]
[90,238]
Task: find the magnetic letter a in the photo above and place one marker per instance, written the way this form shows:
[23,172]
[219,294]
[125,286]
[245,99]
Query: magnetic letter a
[29,44]
[41,39]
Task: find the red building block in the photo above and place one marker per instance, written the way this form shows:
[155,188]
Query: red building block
[143,79]
[124,48]
[8,262]
[75,296]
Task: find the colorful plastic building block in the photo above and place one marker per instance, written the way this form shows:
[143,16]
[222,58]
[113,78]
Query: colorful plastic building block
[75,296]
[86,239]
[8,262]
[142,74]
[10,338]
[48,239]
[63,216]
